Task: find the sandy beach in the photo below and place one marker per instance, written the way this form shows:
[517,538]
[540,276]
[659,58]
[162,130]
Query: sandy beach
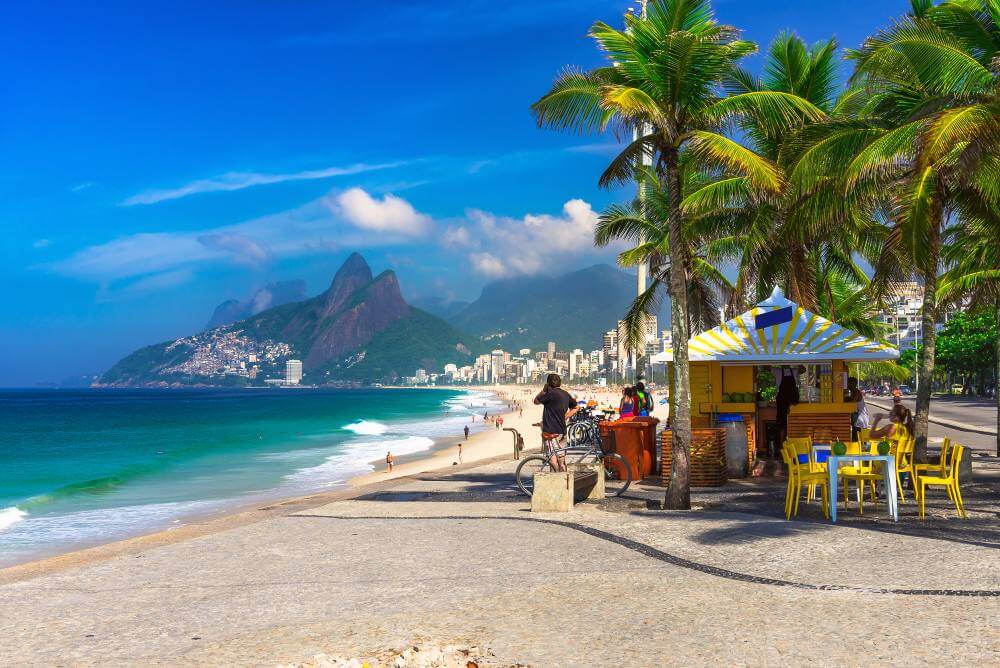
[490,442]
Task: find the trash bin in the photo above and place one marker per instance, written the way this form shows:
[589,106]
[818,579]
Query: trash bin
[635,440]
[736,444]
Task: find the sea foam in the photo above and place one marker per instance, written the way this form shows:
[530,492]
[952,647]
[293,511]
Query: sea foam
[354,460]
[367,428]
[11,516]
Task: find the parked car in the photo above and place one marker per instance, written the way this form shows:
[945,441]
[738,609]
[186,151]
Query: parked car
[905,389]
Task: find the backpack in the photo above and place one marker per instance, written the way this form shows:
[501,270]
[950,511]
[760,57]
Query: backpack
[644,405]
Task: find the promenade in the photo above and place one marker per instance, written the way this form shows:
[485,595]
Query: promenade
[454,557]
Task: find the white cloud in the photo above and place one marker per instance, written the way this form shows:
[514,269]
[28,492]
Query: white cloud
[504,246]
[241,180]
[243,248]
[458,237]
[41,243]
[319,226]
[390,214]
[80,187]
[488,264]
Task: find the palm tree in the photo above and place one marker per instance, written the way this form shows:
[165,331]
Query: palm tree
[973,254]
[662,82]
[927,134]
[643,223]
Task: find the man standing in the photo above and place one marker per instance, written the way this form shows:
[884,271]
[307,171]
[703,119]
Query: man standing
[466,432]
[558,406]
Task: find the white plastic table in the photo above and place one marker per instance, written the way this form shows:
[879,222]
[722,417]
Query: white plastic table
[833,464]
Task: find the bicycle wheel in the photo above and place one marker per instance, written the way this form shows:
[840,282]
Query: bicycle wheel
[526,470]
[576,433]
[618,474]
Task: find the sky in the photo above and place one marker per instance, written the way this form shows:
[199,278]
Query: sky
[159,158]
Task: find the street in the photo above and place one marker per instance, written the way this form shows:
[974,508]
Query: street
[974,411]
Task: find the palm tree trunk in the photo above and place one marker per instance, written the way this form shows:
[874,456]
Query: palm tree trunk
[678,495]
[928,321]
[996,377]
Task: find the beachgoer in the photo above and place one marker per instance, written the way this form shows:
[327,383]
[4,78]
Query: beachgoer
[459,451]
[558,406]
[897,395]
[486,415]
[626,407]
[900,423]
[859,419]
[643,399]
[466,432]
[389,459]
[500,423]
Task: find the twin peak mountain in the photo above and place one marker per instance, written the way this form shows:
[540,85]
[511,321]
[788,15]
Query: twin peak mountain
[361,329]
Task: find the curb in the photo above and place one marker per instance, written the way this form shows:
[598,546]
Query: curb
[962,426]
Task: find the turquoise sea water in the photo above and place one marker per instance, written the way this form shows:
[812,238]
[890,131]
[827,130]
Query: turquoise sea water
[84,467]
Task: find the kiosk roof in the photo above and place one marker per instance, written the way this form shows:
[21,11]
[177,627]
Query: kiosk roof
[780,331]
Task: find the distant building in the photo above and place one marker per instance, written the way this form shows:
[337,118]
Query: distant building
[497,360]
[552,350]
[421,376]
[903,315]
[293,372]
[524,352]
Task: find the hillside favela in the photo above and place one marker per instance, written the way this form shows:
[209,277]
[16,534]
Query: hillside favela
[441,334]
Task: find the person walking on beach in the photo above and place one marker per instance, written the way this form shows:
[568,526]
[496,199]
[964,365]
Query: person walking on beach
[499,423]
[557,405]
[389,459]
[460,451]
[466,430]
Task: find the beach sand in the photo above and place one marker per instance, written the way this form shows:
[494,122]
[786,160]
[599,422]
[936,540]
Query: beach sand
[488,443]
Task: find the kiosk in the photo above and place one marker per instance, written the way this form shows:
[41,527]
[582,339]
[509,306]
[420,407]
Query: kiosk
[737,369]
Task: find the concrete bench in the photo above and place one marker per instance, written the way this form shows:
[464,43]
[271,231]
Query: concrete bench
[557,492]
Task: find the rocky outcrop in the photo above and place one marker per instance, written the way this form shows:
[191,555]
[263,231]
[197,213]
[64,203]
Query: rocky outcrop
[269,296]
[361,315]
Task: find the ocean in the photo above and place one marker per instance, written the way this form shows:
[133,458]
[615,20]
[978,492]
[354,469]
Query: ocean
[85,467]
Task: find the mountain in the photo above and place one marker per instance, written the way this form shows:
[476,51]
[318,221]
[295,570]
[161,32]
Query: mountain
[360,329]
[573,309]
[439,306]
[271,295]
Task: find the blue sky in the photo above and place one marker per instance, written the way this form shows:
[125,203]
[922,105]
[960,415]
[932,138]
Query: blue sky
[162,157]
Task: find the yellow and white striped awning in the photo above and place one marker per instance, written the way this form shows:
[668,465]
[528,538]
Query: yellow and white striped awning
[778,330]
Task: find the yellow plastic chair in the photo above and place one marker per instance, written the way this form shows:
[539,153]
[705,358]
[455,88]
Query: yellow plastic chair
[803,448]
[902,450]
[864,474]
[799,476]
[949,482]
[939,469]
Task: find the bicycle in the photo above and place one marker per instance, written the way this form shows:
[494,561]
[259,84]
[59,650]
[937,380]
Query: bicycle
[585,447]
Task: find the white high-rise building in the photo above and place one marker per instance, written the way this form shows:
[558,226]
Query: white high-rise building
[576,362]
[293,372]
